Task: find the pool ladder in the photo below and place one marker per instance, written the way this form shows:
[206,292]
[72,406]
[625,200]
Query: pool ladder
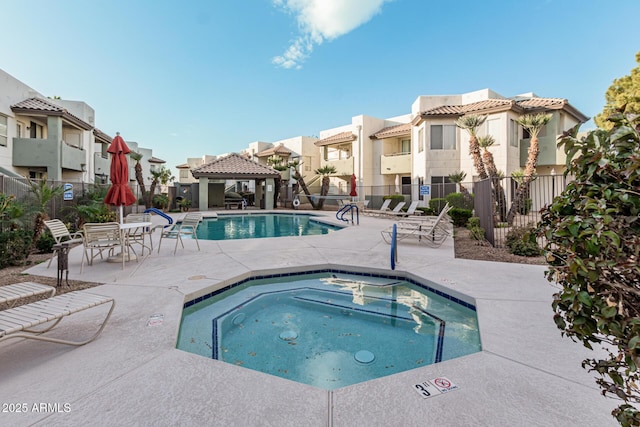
[342,212]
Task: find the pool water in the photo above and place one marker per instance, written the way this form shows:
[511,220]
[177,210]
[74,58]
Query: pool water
[261,225]
[329,329]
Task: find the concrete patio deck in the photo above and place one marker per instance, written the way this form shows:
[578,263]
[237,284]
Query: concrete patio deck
[526,375]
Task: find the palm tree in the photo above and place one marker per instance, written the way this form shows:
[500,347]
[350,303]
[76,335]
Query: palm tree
[162,176]
[485,142]
[139,177]
[297,176]
[534,124]
[458,178]
[471,123]
[43,194]
[325,171]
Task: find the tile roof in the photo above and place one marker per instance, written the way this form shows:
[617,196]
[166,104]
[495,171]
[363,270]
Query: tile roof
[487,105]
[156,160]
[336,139]
[101,137]
[183,166]
[234,166]
[279,150]
[39,105]
[393,131]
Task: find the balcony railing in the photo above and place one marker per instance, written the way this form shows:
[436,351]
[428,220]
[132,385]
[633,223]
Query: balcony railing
[392,164]
[344,167]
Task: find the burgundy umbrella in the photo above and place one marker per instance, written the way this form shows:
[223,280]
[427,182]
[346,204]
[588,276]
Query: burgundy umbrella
[119,193]
[353,192]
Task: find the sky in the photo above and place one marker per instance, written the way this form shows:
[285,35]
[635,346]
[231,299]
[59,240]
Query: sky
[209,77]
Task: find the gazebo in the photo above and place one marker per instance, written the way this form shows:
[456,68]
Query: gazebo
[212,177]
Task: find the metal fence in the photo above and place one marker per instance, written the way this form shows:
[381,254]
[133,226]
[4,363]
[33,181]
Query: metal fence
[493,199]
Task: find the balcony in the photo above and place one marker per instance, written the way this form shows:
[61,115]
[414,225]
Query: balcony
[550,154]
[101,165]
[344,167]
[393,164]
[33,152]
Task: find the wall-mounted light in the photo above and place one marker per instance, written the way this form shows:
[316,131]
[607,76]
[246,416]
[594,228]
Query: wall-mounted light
[83,166]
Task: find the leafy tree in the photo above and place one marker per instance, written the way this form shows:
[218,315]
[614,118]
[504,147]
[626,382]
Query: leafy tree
[471,123]
[325,171]
[160,176]
[622,96]
[592,234]
[534,124]
[43,193]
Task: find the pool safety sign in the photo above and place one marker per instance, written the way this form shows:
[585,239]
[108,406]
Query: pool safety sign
[68,192]
[435,387]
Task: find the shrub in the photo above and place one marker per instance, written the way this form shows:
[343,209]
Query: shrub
[525,208]
[460,216]
[161,201]
[45,243]
[476,232]
[426,211]
[592,232]
[436,205]
[458,200]
[14,247]
[522,241]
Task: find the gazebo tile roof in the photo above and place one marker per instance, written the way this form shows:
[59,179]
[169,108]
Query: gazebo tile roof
[234,165]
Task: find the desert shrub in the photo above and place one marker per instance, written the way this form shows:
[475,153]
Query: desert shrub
[525,208]
[522,241]
[460,216]
[458,200]
[476,232]
[426,211]
[14,247]
[437,204]
[161,201]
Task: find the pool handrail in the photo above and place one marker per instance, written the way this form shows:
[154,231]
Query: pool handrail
[348,208]
[162,214]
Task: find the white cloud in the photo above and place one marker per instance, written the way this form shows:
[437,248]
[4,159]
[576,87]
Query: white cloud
[320,20]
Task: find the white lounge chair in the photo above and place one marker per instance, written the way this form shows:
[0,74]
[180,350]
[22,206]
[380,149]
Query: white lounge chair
[432,233]
[187,227]
[375,212]
[61,234]
[395,211]
[10,294]
[17,322]
[410,211]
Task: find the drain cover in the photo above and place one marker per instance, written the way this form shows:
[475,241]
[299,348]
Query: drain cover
[238,318]
[288,335]
[364,356]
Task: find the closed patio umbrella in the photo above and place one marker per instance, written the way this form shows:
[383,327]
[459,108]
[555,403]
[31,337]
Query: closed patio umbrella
[119,193]
[353,192]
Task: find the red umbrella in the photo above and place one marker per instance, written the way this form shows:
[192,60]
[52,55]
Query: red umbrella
[119,193]
[353,192]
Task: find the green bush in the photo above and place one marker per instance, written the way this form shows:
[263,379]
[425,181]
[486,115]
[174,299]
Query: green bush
[161,201]
[437,205]
[457,200]
[522,241]
[426,211]
[14,247]
[476,232]
[460,216]
[525,208]
[45,243]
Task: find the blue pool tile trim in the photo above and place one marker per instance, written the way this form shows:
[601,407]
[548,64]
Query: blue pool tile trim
[332,270]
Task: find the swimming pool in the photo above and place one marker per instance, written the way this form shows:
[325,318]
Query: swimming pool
[252,226]
[329,328]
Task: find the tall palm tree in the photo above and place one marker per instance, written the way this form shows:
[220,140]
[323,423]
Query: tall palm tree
[534,124]
[325,171]
[471,123]
[297,176]
[458,178]
[43,193]
[139,177]
[485,142]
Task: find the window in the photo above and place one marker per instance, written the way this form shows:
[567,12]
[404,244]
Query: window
[405,146]
[443,137]
[3,131]
[18,130]
[441,186]
[35,130]
[513,133]
[406,185]
[421,140]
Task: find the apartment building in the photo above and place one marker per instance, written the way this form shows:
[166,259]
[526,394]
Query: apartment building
[55,139]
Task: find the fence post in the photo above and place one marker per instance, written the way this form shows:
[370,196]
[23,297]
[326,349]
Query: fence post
[483,204]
